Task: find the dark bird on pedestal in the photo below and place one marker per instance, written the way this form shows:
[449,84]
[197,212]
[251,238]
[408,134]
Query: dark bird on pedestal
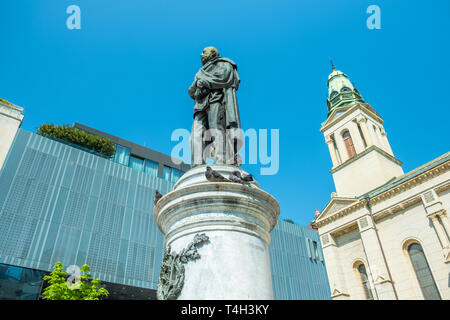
[235,178]
[214,176]
[244,178]
[248,178]
[157,197]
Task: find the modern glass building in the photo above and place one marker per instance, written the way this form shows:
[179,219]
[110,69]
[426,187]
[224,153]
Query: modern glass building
[297,264]
[59,202]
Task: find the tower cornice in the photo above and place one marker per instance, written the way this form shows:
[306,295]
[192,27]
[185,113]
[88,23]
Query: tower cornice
[362,106]
[362,154]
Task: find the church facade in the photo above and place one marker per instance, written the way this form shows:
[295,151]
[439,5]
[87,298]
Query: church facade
[385,234]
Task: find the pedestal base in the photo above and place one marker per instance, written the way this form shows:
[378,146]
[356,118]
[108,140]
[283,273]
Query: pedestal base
[236,220]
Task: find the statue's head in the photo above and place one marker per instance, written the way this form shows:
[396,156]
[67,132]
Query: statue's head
[209,53]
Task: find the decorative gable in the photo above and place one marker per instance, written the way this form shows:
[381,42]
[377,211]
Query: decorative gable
[335,204]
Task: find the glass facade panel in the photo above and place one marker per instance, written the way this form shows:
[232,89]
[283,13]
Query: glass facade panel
[423,272]
[122,155]
[151,167]
[167,173]
[17,283]
[296,275]
[316,249]
[137,163]
[176,174]
[171,174]
[51,212]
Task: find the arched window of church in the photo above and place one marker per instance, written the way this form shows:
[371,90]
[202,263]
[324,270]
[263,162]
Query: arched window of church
[365,281]
[348,142]
[423,272]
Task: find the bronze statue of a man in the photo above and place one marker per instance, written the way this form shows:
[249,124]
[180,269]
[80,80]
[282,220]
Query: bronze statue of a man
[216,127]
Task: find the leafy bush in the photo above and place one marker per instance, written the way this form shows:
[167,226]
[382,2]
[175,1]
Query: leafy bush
[83,289]
[78,137]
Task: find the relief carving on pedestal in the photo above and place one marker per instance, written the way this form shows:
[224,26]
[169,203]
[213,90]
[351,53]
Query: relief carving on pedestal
[171,277]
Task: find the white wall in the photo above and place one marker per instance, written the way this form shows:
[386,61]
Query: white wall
[10,120]
[412,224]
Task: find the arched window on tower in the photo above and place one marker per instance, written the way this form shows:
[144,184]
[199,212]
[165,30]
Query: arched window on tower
[333,94]
[349,144]
[361,270]
[423,272]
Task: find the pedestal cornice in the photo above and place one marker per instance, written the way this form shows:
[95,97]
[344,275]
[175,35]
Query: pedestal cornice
[197,205]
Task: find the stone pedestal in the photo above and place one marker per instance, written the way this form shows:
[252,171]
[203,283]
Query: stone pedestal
[218,237]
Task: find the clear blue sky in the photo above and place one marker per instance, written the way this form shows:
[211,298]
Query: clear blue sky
[128,69]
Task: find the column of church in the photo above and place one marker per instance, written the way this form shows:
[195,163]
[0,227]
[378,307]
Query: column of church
[374,135]
[437,213]
[335,275]
[386,143]
[444,219]
[356,137]
[382,283]
[332,150]
[435,217]
[362,121]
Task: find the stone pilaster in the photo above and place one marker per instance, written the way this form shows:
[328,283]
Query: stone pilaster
[439,229]
[444,218]
[387,145]
[376,139]
[380,279]
[341,147]
[438,214]
[333,155]
[362,121]
[356,137]
[335,275]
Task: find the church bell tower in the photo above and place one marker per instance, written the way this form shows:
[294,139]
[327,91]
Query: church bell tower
[360,151]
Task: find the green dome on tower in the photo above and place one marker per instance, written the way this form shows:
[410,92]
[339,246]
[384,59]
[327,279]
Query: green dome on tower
[341,92]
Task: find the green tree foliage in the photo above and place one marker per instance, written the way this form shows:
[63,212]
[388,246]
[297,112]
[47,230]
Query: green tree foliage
[289,221]
[78,137]
[85,289]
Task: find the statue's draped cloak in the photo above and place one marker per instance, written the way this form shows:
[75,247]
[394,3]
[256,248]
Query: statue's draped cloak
[221,79]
